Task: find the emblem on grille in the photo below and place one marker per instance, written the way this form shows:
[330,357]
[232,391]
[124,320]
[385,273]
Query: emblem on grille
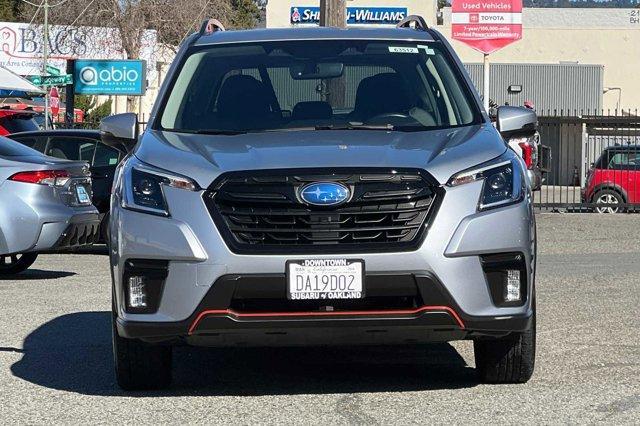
[324,193]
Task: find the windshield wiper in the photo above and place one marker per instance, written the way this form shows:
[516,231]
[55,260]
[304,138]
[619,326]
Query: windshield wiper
[357,126]
[209,131]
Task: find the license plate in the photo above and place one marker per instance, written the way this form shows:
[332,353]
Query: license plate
[320,279]
[83,196]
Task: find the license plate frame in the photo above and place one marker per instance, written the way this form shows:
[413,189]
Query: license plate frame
[356,266]
[82,195]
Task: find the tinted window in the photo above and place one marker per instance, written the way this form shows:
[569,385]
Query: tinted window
[71,148]
[38,143]
[289,84]
[105,156]
[11,148]
[19,123]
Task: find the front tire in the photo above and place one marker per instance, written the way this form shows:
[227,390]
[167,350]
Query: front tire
[11,264]
[140,365]
[510,359]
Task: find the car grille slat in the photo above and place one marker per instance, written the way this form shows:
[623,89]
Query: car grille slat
[260,212]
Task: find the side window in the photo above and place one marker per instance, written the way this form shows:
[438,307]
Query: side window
[71,148]
[105,156]
[624,161]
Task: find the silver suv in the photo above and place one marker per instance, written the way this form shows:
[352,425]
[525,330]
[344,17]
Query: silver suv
[320,186]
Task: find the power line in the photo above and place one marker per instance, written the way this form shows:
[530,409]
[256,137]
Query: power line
[81,13]
[32,4]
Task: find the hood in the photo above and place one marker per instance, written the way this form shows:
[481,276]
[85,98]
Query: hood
[204,157]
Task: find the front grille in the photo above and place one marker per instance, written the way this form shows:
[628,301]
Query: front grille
[258,212]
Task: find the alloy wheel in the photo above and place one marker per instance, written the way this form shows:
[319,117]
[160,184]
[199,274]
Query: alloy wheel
[607,199]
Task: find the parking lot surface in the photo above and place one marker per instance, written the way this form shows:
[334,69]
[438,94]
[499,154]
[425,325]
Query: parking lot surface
[56,365]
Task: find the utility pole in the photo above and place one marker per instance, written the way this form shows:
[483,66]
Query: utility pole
[333,13]
[45,53]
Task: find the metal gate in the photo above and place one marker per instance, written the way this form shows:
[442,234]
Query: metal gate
[595,163]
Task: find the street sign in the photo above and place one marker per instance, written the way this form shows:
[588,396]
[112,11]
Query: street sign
[54,102]
[51,80]
[52,70]
[486,26]
[110,77]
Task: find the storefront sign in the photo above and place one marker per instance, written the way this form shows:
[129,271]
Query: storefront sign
[486,25]
[106,77]
[355,15]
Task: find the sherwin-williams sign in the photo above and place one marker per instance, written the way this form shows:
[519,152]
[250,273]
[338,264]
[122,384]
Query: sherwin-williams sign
[355,15]
[110,77]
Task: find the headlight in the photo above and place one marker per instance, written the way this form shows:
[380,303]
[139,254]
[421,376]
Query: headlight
[143,189]
[503,182]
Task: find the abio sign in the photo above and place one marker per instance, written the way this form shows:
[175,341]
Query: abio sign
[486,25]
[107,77]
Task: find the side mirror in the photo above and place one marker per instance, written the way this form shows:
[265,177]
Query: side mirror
[512,121]
[120,130]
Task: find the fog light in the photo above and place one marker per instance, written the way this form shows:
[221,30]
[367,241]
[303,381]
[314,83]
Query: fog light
[137,294]
[512,289]
[506,275]
[143,282]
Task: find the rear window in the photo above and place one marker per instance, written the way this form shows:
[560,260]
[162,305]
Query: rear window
[15,123]
[11,148]
[71,148]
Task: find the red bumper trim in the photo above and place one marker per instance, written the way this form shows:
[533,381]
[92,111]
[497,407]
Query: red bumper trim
[240,315]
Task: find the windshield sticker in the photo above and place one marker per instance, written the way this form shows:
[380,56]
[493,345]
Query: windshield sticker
[427,49]
[403,49]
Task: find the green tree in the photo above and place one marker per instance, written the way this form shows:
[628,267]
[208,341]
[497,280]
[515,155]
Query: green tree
[246,14]
[93,111]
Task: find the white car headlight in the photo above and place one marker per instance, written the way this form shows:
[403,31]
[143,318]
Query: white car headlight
[503,182]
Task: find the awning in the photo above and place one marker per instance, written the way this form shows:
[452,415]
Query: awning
[12,85]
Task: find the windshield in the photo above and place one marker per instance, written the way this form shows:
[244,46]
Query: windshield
[328,84]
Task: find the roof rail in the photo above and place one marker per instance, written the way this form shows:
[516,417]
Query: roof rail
[416,22]
[210,26]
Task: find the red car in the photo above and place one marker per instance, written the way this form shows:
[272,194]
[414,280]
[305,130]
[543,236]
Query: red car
[13,121]
[614,179]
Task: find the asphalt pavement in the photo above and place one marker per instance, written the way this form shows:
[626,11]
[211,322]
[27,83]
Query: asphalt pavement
[56,363]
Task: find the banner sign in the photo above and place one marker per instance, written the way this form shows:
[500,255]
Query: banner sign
[21,46]
[107,77]
[486,25]
[355,15]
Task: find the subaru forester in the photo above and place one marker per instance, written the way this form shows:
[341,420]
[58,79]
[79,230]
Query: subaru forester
[320,186]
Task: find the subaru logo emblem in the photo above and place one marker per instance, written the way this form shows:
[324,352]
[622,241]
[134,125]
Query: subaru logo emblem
[324,193]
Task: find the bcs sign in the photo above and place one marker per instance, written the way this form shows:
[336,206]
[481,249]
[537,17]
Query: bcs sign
[110,77]
[486,25]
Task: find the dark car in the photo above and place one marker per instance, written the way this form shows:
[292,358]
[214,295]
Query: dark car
[82,145]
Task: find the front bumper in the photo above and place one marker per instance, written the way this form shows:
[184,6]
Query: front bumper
[199,261]
[220,319]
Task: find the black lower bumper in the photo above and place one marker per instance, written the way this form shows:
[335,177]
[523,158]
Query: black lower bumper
[252,310]
[78,234]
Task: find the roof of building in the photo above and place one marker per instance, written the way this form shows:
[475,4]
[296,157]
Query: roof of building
[314,33]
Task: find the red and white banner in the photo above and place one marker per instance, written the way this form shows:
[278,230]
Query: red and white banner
[486,25]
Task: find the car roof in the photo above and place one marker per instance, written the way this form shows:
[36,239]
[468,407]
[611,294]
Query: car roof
[314,33]
[87,133]
[623,148]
